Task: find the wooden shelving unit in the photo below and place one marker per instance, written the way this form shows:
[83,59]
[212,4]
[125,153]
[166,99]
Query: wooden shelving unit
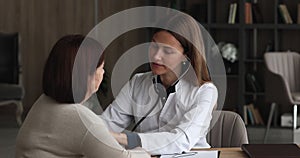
[251,40]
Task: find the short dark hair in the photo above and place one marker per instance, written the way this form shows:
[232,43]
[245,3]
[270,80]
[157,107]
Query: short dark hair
[72,54]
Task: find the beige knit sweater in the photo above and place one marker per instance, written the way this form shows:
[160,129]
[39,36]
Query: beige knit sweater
[54,130]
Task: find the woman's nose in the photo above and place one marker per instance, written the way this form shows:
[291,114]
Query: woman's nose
[158,54]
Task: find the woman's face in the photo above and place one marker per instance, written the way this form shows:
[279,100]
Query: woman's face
[165,54]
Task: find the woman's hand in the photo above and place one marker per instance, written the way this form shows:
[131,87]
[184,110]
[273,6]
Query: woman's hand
[120,137]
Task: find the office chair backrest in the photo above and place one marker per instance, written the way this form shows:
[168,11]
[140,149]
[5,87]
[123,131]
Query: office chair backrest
[287,65]
[227,130]
[9,60]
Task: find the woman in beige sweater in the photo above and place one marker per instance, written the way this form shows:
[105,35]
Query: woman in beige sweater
[58,125]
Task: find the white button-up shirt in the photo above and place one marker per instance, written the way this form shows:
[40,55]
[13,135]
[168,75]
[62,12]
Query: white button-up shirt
[178,125]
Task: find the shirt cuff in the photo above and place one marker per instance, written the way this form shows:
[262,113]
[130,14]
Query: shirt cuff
[133,140]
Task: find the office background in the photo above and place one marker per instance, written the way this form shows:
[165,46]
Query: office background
[40,23]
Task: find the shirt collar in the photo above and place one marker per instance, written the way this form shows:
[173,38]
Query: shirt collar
[170,89]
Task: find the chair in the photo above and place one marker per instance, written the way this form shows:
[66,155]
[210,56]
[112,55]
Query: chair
[227,129]
[11,92]
[282,86]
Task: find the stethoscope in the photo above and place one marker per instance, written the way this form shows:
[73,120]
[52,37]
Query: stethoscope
[161,91]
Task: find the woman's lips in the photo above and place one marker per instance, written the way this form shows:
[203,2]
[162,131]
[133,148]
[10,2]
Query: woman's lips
[157,65]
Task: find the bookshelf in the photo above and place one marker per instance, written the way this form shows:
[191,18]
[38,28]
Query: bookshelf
[266,31]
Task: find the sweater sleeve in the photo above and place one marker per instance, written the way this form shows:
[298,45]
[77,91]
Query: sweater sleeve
[98,142]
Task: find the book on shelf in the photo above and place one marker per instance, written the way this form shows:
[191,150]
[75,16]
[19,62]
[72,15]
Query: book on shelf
[298,13]
[285,15]
[259,117]
[232,13]
[245,114]
[252,115]
[257,14]
[282,14]
[290,20]
[248,13]
[248,116]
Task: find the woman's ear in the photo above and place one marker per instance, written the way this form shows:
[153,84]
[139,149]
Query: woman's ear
[98,78]
[185,59]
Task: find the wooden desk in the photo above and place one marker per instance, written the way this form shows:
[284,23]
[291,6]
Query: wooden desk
[229,152]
